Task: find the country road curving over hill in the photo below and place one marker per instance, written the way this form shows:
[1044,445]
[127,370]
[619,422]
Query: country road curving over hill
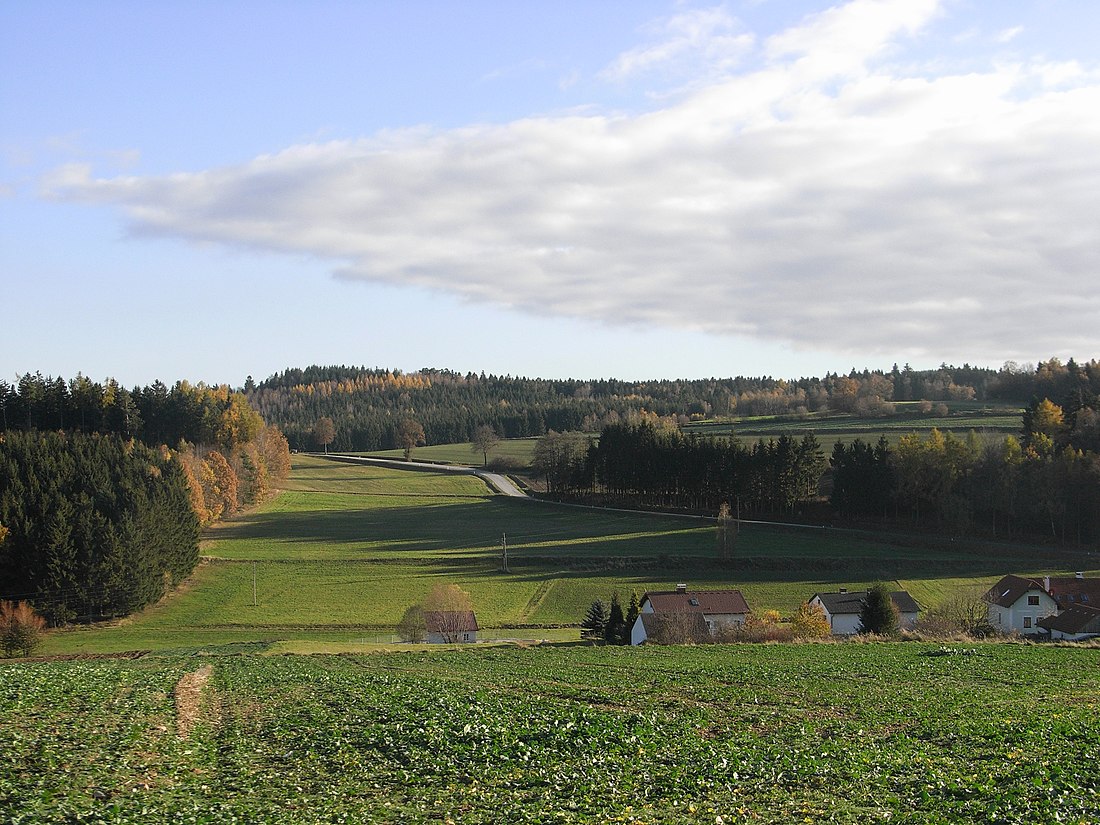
[498,482]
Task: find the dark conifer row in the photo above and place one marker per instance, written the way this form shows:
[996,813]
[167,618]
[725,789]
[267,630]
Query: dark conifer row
[93,526]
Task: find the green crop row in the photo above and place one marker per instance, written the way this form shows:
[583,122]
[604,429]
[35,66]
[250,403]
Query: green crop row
[840,733]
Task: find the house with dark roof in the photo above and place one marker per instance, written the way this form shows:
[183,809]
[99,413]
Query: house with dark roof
[682,615]
[1016,604]
[1076,622]
[449,626]
[843,608]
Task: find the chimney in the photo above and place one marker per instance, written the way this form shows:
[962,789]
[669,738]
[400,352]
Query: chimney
[844,590]
[1079,575]
[681,588]
[1046,583]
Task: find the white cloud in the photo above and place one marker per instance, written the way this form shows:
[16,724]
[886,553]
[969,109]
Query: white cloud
[822,200]
[694,38]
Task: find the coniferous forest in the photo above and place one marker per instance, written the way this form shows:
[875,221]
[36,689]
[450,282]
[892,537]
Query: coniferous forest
[103,490]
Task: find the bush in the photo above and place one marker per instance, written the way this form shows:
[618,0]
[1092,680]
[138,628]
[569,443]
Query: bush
[21,629]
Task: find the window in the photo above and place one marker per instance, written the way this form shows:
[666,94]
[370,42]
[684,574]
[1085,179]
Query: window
[1027,621]
[1033,600]
[693,602]
[1084,597]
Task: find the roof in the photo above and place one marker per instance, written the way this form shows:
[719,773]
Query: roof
[1009,589]
[709,602]
[852,602]
[1077,618]
[1068,590]
[449,621]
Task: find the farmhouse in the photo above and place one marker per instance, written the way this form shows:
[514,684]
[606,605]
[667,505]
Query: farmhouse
[842,609]
[1073,624]
[1016,604]
[448,626]
[682,615]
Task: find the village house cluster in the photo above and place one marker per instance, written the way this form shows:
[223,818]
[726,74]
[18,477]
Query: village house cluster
[1054,607]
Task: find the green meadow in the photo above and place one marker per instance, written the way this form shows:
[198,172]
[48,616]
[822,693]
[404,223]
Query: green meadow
[339,555]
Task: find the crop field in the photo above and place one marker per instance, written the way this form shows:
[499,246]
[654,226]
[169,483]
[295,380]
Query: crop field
[339,555]
[831,428]
[517,451]
[843,733]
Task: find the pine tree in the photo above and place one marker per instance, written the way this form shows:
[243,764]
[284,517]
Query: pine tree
[878,614]
[632,611]
[594,621]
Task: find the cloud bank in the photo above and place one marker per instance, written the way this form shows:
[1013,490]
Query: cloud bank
[823,195]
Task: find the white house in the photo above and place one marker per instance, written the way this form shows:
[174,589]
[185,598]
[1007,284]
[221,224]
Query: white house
[842,609]
[1016,604]
[448,626]
[682,614]
[1073,624]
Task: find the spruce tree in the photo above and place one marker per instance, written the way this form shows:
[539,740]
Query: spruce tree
[878,614]
[613,633]
[594,621]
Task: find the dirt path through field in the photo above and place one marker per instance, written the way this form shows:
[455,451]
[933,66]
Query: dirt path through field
[189,699]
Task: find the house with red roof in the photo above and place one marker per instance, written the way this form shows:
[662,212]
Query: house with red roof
[682,615]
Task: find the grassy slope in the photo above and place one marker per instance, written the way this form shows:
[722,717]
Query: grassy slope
[344,550]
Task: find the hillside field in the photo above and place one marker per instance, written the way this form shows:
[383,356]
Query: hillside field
[337,557]
[842,733]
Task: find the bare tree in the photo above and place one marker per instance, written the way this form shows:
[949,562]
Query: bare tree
[485,439]
[449,611]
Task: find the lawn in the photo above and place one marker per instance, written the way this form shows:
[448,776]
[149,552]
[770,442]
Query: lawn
[844,733]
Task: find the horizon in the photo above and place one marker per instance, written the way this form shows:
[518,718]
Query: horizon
[645,190]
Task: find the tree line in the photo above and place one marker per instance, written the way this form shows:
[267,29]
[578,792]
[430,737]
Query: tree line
[650,463]
[1046,482]
[368,405]
[101,527]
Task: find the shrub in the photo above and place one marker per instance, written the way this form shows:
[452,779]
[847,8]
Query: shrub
[21,628]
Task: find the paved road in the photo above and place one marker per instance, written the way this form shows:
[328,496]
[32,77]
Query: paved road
[499,483]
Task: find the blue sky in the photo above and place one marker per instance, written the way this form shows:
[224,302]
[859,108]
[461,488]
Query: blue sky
[640,189]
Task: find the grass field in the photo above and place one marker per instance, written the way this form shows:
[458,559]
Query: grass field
[340,554]
[842,733]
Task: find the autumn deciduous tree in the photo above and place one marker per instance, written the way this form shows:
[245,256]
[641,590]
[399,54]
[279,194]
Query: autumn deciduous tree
[409,434]
[449,605]
[21,628]
[810,622]
[324,431]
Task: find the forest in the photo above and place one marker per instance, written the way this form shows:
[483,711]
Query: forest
[367,406]
[1043,484]
[103,489]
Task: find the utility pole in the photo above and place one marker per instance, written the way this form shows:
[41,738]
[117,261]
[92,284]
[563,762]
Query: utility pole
[504,552]
[254,584]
